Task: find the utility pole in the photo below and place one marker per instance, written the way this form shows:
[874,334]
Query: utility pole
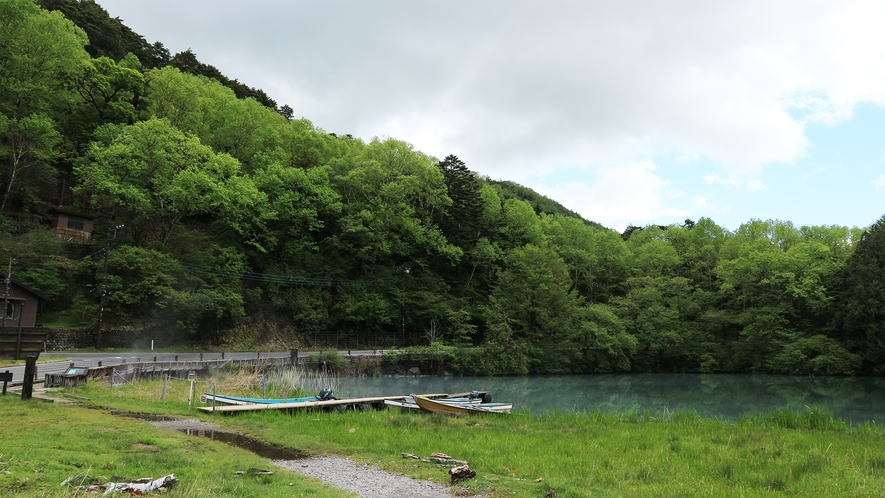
[402,304]
[104,283]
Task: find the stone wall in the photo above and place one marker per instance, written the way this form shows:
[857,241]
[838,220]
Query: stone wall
[71,339]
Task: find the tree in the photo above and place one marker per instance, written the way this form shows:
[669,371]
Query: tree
[534,293]
[108,36]
[605,344]
[861,307]
[778,286]
[286,112]
[153,175]
[597,258]
[390,193]
[196,104]
[110,90]
[187,62]
[140,282]
[209,297]
[299,202]
[460,221]
[521,225]
[30,145]
[39,260]
[38,50]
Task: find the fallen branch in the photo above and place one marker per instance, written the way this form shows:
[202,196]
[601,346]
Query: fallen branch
[255,472]
[439,458]
[135,487]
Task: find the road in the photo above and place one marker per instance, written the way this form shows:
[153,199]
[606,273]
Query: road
[66,360]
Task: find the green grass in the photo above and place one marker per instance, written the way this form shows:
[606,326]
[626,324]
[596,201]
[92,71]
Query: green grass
[564,454]
[46,443]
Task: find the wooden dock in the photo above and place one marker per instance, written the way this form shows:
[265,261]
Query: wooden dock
[333,404]
[341,405]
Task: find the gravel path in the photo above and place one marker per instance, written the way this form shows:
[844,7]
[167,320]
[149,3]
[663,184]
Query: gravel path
[366,481]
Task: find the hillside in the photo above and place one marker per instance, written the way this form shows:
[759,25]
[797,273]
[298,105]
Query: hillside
[228,223]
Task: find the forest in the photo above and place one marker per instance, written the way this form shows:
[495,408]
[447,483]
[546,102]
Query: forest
[223,219]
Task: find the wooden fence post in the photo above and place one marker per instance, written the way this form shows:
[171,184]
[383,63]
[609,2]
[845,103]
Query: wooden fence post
[28,381]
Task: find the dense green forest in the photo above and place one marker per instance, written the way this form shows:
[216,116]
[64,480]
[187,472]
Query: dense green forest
[239,221]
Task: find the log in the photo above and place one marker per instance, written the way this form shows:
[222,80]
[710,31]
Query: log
[461,473]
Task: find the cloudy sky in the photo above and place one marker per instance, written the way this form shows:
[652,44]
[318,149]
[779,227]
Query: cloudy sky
[628,112]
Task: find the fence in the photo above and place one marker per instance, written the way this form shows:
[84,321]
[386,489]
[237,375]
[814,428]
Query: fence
[19,342]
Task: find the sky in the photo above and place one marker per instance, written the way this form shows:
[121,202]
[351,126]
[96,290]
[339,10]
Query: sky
[626,112]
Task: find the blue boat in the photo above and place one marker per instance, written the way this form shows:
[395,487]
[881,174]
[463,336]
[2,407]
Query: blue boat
[220,399]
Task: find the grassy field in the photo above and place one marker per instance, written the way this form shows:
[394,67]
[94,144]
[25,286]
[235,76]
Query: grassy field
[560,455]
[45,443]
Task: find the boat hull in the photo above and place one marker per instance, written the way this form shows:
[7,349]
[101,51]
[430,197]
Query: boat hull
[408,403]
[436,406]
[236,400]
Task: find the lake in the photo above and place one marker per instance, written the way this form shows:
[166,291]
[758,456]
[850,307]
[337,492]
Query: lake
[856,399]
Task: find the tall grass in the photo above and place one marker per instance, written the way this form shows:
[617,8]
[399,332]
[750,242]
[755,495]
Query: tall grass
[806,418]
[278,382]
[668,453]
[294,382]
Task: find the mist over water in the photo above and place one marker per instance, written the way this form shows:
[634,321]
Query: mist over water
[855,399]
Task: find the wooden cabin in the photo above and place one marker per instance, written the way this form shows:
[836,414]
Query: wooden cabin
[22,304]
[18,336]
[72,226]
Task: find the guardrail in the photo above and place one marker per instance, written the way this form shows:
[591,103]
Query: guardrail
[130,372]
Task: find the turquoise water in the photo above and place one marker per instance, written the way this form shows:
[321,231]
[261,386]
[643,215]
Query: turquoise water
[857,399]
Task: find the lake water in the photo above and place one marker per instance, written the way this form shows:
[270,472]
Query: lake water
[856,399]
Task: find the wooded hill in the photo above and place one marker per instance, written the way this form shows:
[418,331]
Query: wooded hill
[242,224]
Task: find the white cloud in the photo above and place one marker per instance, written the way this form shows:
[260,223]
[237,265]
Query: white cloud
[620,195]
[597,82]
[734,181]
[879,183]
[817,171]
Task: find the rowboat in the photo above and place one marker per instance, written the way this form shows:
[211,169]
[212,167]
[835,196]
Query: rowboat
[408,404]
[437,406]
[220,399]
